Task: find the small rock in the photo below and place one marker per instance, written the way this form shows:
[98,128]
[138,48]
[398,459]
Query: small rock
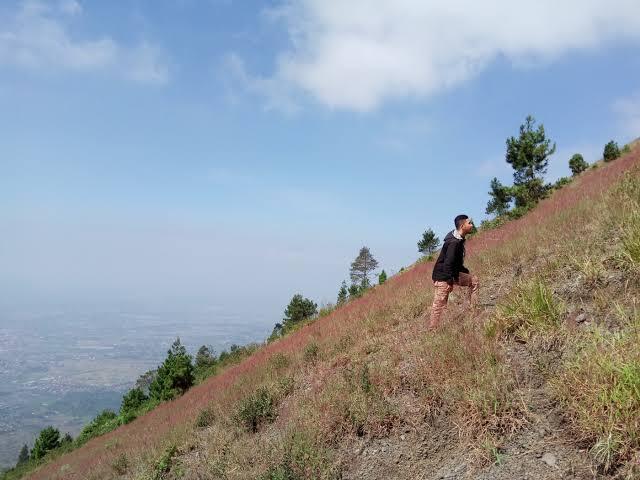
[402,437]
[581,318]
[550,459]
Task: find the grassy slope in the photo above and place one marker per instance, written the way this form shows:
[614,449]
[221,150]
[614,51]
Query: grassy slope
[368,372]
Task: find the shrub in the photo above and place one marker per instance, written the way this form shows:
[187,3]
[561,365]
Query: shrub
[611,151]
[132,401]
[326,310]
[311,352]
[23,457]
[600,389]
[303,457]
[163,465]
[530,308]
[561,182]
[342,294]
[206,417]
[279,361]
[256,409]
[175,375]
[577,164]
[48,439]
[121,464]
[205,363]
[104,422]
[382,277]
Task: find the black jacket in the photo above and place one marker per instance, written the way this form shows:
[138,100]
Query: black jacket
[450,261]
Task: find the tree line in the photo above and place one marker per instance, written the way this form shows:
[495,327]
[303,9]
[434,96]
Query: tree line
[528,154]
[173,377]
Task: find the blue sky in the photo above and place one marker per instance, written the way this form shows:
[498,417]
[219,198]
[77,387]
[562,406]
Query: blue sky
[225,155]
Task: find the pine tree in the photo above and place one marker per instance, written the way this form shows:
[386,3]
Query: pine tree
[428,243]
[577,164]
[175,375]
[48,439]
[529,156]
[382,277]
[342,293]
[362,267]
[67,439]
[205,358]
[611,151]
[132,401]
[354,291]
[299,309]
[23,457]
[501,197]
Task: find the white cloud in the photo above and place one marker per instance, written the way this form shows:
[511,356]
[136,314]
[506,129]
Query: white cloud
[70,7]
[276,93]
[628,110]
[356,55]
[37,37]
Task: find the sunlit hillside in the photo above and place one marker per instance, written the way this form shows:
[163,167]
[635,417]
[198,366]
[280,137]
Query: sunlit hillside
[541,381]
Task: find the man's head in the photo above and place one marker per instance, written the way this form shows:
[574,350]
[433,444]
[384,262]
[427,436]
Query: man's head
[464,225]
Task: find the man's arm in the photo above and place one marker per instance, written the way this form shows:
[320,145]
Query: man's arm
[450,262]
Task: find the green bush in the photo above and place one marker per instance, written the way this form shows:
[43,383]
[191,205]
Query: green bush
[561,182]
[531,307]
[163,465]
[132,401]
[174,376]
[206,417]
[256,409]
[326,310]
[104,422]
[311,352]
[279,361]
[48,440]
[302,457]
[600,390]
[577,164]
[121,464]
[611,151]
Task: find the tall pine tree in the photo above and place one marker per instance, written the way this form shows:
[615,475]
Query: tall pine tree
[529,156]
[428,243]
[174,376]
[343,293]
[362,267]
[49,439]
[23,457]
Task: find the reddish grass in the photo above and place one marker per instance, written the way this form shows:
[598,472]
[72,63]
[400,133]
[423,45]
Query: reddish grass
[148,431]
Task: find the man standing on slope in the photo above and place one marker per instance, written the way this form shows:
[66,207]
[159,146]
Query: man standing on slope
[449,270]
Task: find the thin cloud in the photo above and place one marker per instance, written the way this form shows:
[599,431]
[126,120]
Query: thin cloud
[275,92]
[628,111]
[360,54]
[70,7]
[37,37]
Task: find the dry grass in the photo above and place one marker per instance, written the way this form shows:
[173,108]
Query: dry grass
[600,388]
[368,366]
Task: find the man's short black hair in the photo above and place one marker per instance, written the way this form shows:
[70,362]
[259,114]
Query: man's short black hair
[459,220]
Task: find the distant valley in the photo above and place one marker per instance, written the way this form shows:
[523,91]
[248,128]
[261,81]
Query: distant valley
[62,368]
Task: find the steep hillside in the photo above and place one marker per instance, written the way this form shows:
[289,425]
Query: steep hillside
[541,381]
